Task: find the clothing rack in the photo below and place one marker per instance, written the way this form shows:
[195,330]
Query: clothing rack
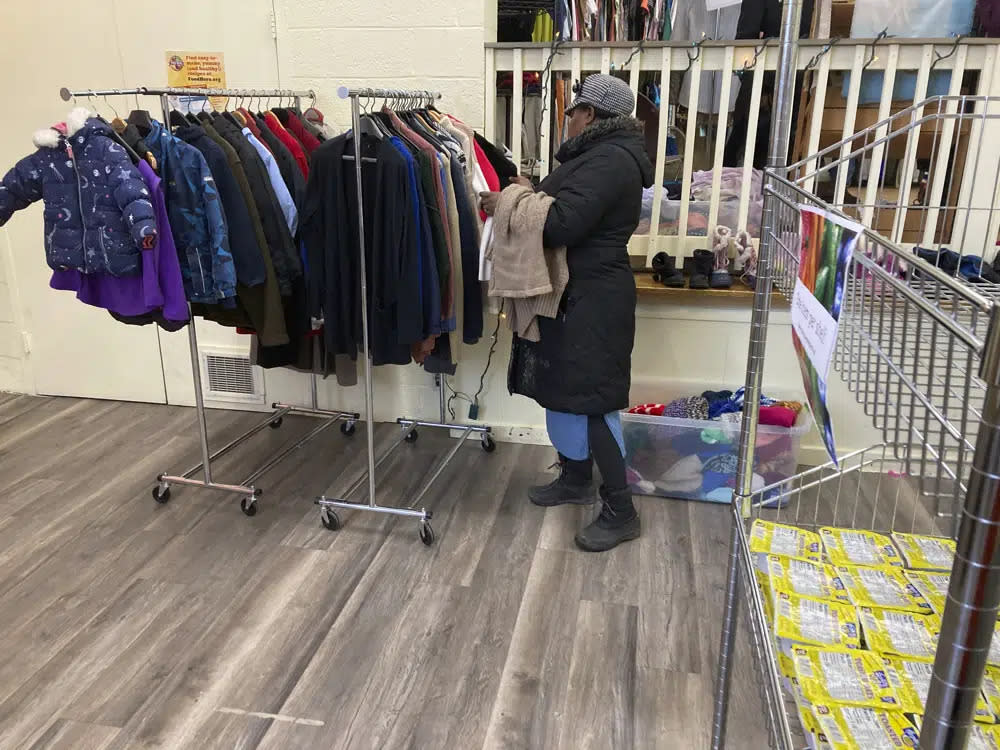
[246,488]
[408,432]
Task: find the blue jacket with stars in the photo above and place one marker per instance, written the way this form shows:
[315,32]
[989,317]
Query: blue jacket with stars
[197,219]
[98,216]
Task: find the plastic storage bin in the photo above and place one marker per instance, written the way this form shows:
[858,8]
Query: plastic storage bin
[693,459]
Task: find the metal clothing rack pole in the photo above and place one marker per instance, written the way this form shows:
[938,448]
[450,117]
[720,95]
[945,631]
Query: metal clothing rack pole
[408,433]
[250,493]
[784,91]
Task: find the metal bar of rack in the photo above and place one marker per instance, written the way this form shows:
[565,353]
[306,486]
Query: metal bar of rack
[249,492]
[408,427]
[920,349]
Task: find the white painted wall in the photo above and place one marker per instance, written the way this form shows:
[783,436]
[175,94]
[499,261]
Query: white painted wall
[435,44]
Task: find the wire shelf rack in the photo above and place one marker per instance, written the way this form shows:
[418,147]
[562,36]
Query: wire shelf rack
[917,346]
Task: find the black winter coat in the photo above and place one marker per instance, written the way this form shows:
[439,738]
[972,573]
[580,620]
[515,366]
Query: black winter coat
[582,364]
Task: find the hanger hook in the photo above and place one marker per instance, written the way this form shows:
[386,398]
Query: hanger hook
[872,57]
[697,52]
[111,106]
[758,51]
[819,55]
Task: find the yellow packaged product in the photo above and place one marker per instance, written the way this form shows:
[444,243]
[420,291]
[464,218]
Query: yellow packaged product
[913,680]
[881,587]
[894,632]
[981,737]
[863,728]
[991,689]
[781,539]
[845,676]
[994,655]
[984,738]
[764,583]
[922,552]
[815,740]
[859,547]
[813,622]
[805,578]
[932,584]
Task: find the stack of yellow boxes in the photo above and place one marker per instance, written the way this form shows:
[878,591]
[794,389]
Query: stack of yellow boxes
[855,616]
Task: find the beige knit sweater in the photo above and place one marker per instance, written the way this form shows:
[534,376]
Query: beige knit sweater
[529,277]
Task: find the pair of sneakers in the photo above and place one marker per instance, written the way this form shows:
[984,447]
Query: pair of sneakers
[618,520]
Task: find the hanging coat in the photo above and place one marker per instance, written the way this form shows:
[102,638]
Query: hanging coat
[98,216]
[582,364]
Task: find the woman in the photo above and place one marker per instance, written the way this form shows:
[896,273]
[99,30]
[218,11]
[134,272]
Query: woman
[580,370]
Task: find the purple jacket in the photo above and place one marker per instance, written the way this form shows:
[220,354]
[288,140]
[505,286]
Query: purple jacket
[157,286]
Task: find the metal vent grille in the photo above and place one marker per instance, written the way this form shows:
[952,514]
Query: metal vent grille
[230,377]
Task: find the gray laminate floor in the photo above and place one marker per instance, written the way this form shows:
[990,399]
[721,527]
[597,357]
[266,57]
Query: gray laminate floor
[128,625]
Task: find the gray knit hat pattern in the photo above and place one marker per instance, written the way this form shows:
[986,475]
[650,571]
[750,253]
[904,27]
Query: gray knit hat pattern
[606,93]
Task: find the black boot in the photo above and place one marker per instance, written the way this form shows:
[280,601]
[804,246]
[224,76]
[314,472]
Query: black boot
[573,486]
[704,264]
[665,271]
[617,523]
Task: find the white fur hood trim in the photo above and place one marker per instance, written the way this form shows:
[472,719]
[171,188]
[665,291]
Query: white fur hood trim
[49,137]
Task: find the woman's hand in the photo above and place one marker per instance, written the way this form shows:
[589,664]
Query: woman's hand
[489,201]
[522,181]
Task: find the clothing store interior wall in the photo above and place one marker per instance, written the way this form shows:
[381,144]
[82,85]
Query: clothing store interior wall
[51,344]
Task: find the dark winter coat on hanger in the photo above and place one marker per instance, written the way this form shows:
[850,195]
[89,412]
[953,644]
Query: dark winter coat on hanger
[582,364]
[287,265]
[98,216]
[505,168]
[243,242]
[196,218]
[290,172]
[133,138]
[329,228]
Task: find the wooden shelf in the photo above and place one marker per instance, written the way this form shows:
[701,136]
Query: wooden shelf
[739,292]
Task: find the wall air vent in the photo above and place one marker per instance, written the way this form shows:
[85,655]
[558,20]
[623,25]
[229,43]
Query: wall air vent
[229,376]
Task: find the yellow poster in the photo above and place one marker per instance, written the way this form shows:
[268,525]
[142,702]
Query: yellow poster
[197,70]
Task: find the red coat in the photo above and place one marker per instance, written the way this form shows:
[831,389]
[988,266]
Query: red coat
[309,142]
[290,143]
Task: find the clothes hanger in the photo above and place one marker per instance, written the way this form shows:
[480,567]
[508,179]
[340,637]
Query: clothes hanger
[142,120]
[367,124]
[117,124]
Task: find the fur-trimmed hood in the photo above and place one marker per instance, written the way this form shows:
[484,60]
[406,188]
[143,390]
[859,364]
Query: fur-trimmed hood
[76,121]
[624,132]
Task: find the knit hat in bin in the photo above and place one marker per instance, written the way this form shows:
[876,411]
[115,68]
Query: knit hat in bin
[604,92]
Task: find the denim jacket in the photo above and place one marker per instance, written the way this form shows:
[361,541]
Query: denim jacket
[197,218]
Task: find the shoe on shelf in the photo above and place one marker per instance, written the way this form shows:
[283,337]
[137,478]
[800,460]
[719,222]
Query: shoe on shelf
[704,264]
[665,271]
[617,522]
[720,279]
[573,486]
[721,240]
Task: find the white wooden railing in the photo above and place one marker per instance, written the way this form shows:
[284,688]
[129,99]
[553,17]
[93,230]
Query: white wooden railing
[827,63]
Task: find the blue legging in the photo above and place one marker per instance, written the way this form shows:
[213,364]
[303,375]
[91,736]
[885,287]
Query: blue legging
[578,437]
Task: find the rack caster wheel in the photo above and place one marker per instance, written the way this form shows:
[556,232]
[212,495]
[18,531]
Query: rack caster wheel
[161,494]
[426,534]
[412,436]
[348,428]
[276,423]
[330,519]
[249,504]
[488,443]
